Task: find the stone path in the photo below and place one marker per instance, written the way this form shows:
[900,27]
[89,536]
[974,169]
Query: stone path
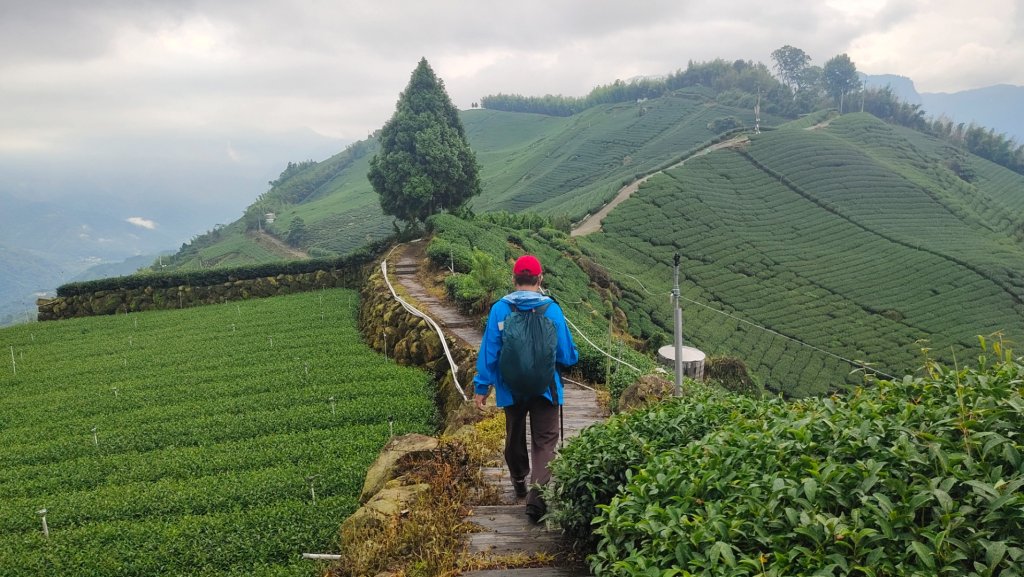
[505,530]
[405,266]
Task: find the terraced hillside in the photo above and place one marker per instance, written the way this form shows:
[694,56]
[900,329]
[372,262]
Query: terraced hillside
[571,166]
[553,165]
[856,238]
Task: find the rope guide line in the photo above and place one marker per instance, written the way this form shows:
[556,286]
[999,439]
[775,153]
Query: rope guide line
[416,313]
[599,349]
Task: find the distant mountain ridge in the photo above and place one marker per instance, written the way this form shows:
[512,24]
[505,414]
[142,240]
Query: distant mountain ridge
[997,107]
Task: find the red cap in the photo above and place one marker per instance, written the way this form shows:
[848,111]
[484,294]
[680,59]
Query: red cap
[527,264]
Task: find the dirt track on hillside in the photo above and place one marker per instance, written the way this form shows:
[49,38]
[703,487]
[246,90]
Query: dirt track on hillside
[274,245]
[593,222]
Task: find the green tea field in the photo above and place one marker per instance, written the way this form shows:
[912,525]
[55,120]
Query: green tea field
[221,440]
[823,238]
[555,166]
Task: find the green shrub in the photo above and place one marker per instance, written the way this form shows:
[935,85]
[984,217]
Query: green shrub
[915,477]
[591,468]
[732,374]
[489,276]
[725,124]
[465,291]
[519,221]
[210,277]
[444,253]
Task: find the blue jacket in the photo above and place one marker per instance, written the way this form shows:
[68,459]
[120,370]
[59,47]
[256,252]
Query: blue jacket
[487,373]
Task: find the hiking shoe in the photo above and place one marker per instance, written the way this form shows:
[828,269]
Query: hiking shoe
[519,486]
[534,512]
[536,508]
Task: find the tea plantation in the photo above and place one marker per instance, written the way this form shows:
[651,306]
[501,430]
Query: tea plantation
[917,476]
[552,165]
[221,440]
[826,238]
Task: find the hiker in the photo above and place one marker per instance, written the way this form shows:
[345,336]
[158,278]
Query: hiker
[525,376]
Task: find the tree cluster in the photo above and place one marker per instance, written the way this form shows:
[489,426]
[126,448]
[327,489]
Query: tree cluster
[739,83]
[984,142]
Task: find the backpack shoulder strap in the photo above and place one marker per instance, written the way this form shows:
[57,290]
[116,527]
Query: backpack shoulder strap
[542,309]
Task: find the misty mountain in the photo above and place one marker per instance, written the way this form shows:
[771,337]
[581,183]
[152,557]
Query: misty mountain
[25,274]
[112,269]
[62,214]
[996,107]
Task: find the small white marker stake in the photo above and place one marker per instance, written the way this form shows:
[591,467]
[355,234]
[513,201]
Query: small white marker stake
[95,439]
[46,530]
[332,404]
[391,425]
[311,480]
[14,365]
[271,342]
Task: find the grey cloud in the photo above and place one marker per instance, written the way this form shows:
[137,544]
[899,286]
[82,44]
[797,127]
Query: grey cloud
[72,88]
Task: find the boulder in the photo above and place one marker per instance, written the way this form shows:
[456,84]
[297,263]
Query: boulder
[388,503]
[385,467]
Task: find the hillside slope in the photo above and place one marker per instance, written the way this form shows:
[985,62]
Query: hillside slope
[857,239]
[552,165]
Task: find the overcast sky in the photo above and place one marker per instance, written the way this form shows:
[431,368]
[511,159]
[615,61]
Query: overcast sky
[105,80]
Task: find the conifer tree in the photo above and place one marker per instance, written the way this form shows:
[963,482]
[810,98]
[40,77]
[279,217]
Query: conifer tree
[425,164]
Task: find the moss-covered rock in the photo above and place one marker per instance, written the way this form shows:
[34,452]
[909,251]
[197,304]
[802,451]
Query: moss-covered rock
[386,467]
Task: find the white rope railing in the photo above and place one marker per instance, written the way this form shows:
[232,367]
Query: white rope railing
[416,313]
[599,349]
[578,384]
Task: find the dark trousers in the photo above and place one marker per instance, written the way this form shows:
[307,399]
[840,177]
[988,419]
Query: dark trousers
[543,439]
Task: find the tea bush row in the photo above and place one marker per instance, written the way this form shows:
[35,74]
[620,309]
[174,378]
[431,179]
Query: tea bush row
[191,442]
[919,476]
[760,249]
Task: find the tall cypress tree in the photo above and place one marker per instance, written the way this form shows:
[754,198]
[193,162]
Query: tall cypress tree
[425,164]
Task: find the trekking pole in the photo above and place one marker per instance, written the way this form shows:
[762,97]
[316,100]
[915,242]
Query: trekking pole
[678,318]
[561,426]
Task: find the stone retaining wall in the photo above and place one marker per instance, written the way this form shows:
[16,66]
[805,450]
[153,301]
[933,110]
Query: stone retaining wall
[409,340]
[109,302]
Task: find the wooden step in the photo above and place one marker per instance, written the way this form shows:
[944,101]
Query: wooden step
[505,529]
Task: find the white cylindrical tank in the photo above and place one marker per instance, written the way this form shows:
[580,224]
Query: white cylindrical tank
[693,360]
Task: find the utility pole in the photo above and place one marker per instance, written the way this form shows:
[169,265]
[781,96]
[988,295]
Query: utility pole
[678,314]
[757,113]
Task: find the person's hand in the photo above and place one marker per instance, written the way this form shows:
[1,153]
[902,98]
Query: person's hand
[479,400]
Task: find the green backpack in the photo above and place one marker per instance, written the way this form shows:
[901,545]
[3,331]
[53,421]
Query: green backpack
[527,359]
